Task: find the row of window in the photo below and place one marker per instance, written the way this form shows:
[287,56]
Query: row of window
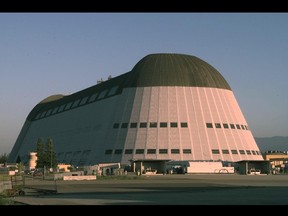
[234,151]
[226,126]
[177,151]
[78,102]
[150,124]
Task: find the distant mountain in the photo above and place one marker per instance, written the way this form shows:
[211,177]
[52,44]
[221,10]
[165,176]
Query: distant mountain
[276,143]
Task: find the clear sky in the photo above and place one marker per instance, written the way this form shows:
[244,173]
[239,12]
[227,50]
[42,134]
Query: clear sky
[42,54]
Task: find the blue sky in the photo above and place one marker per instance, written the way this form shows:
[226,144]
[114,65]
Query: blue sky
[42,54]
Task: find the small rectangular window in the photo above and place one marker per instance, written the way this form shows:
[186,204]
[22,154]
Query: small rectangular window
[225,151]
[116,125]
[124,125]
[232,126]
[143,124]
[133,125]
[225,126]
[246,127]
[175,151]
[173,124]
[242,152]
[43,114]
[61,108]
[48,112]
[163,124]
[217,125]
[184,124]
[93,97]
[55,110]
[151,151]
[242,126]
[153,124]
[163,151]
[75,104]
[128,151]
[215,151]
[108,152]
[113,91]
[238,126]
[248,152]
[102,93]
[186,151]
[234,151]
[253,152]
[139,151]
[209,125]
[118,151]
[68,105]
[84,100]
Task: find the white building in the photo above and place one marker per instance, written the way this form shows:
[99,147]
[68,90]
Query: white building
[168,107]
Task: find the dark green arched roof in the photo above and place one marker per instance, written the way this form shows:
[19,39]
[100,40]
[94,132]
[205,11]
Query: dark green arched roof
[175,70]
[152,70]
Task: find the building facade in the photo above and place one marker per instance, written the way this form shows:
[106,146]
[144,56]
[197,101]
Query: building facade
[168,107]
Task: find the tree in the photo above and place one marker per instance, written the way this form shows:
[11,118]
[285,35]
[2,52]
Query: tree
[46,157]
[3,158]
[50,155]
[40,153]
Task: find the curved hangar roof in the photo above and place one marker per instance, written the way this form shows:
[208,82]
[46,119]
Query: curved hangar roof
[161,69]
[176,70]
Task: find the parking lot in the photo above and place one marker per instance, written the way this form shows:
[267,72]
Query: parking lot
[221,189]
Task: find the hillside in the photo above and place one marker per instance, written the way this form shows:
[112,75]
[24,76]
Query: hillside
[276,143]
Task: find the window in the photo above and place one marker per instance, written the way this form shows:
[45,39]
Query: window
[184,124]
[234,151]
[186,151]
[209,125]
[84,100]
[112,91]
[116,125]
[108,152]
[232,126]
[225,151]
[163,124]
[242,126]
[102,94]
[175,151]
[163,151]
[128,151]
[55,110]
[124,125]
[93,97]
[118,151]
[139,151]
[225,125]
[143,124]
[248,152]
[75,104]
[217,125]
[253,152]
[151,151]
[237,126]
[43,114]
[242,152]
[246,127]
[48,112]
[68,106]
[133,125]
[61,108]
[173,124]
[38,116]
[215,151]
[153,124]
